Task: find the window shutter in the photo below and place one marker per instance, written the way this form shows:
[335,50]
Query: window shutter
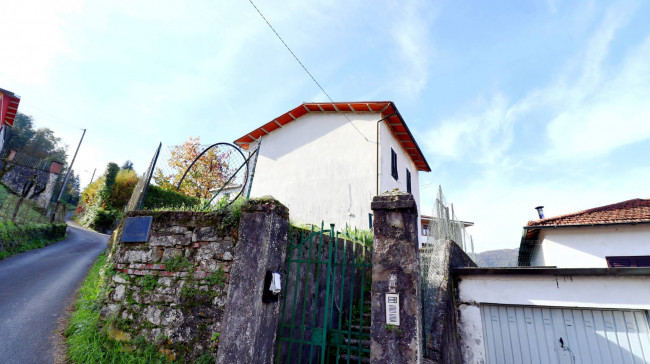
[408,181]
[393,163]
[629,261]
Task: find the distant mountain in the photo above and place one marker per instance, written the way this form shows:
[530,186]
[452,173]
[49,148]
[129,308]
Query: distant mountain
[497,258]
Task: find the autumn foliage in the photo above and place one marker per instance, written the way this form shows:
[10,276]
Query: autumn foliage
[206,177]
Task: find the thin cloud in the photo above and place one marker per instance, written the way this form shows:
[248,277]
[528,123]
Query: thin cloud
[579,108]
[33,38]
[410,35]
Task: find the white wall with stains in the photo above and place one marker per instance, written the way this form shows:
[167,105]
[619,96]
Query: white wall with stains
[587,247]
[609,292]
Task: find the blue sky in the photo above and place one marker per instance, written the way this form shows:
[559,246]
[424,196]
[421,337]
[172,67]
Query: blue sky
[514,104]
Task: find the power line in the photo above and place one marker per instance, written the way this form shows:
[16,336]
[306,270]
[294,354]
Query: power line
[305,68]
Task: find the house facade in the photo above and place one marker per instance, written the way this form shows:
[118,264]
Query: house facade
[616,235]
[326,161]
[8,110]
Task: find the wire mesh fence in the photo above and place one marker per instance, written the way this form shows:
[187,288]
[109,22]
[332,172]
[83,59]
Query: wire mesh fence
[211,173]
[445,228]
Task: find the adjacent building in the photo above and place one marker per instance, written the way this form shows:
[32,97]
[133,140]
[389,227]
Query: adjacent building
[616,235]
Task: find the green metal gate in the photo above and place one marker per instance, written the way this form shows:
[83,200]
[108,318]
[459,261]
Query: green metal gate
[326,305]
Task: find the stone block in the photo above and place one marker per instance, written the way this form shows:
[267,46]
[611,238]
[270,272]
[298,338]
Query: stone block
[137,256]
[152,314]
[173,230]
[118,279]
[168,240]
[171,253]
[171,316]
[118,293]
[206,233]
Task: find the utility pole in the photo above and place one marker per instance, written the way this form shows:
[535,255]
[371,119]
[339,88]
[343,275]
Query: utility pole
[67,175]
[91,178]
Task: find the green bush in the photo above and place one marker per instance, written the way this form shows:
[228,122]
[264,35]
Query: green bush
[16,239]
[105,219]
[158,198]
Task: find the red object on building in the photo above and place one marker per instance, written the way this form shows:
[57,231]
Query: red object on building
[8,107]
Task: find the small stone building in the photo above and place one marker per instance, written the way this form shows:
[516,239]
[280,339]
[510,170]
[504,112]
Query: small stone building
[20,172]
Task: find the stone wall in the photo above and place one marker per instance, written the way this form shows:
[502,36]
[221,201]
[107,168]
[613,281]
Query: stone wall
[19,170]
[172,290]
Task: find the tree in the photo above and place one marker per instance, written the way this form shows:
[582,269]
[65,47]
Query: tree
[21,133]
[40,143]
[208,174]
[72,190]
[127,166]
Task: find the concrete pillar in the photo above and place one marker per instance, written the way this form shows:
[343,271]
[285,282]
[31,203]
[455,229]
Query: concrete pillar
[249,325]
[396,269]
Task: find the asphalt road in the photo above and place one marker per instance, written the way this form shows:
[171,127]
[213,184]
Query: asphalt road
[34,289]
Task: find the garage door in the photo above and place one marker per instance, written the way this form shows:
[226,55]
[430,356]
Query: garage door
[545,335]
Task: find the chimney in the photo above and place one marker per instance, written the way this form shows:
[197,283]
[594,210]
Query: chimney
[540,211]
[55,167]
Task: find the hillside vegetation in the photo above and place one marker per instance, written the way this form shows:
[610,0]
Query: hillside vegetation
[497,258]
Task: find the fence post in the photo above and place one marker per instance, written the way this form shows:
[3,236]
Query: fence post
[250,325]
[395,279]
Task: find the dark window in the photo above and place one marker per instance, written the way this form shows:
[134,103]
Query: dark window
[370,220]
[408,181]
[425,230]
[632,261]
[393,163]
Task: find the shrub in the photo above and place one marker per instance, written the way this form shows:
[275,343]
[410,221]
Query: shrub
[104,219]
[16,239]
[125,182]
[158,198]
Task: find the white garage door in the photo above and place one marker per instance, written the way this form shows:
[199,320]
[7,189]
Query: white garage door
[522,334]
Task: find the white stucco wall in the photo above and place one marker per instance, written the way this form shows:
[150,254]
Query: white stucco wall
[386,180]
[570,291]
[587,247]
[321,168]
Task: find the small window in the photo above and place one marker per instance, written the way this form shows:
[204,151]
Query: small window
[425,230]
[631,261]
[393,163]
[408,181]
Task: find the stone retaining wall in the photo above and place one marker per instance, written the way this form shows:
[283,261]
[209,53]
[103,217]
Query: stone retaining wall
[172,290]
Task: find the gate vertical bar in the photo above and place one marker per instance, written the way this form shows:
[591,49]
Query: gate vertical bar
[327,292]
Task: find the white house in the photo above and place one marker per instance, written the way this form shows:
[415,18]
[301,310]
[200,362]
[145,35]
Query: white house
[326,161]
[616,235]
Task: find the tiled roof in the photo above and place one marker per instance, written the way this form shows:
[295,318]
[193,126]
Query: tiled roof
[630,211]
[387,109]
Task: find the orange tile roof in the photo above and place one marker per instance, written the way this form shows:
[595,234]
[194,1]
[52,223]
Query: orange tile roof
[387,109]
[630,211]
[8,107]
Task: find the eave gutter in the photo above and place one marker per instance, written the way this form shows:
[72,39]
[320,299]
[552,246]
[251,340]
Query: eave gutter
[551,271]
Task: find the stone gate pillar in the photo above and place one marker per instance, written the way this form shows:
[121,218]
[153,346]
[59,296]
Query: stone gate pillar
[396,272]
[250,325]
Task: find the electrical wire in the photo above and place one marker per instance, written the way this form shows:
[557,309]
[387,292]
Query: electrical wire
[305,68]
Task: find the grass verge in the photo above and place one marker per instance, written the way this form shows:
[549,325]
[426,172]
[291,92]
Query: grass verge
[87,339]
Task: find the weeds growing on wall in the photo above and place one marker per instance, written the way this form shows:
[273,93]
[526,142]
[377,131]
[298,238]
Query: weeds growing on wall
[88,341]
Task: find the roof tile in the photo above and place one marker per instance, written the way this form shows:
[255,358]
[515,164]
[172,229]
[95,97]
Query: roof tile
[630,211]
